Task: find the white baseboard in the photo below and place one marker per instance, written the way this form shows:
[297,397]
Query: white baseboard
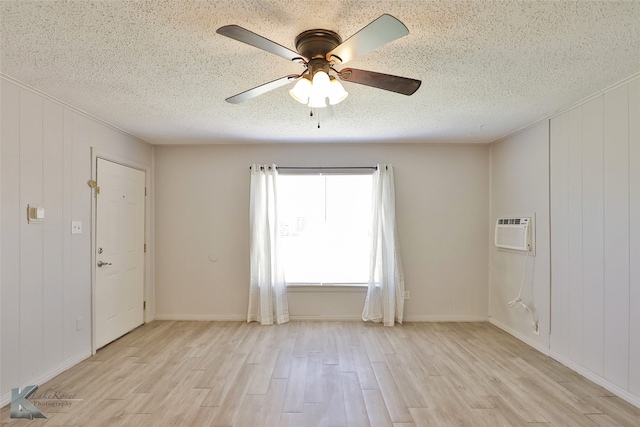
[541,348]
[201,317]
[333,317]
[617,390]
[238,318]
[46,376]
[445,318]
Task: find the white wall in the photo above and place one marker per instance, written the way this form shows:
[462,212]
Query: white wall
[202,214]
[595,245]
[446,196]
[46,272]
[520,188]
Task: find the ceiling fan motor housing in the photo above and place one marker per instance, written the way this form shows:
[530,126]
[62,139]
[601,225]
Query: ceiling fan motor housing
[317,43]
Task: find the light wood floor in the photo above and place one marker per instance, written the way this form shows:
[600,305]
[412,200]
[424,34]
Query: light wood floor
[324,374]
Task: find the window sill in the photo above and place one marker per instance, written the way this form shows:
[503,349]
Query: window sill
[327,288]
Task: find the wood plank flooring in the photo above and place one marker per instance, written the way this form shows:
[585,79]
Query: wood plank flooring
[170,373]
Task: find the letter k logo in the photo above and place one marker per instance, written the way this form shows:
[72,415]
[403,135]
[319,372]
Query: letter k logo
[21,407]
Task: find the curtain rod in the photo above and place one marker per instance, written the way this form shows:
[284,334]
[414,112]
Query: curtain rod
[326,167]
[322,167]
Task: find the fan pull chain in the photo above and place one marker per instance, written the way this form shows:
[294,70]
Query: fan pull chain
[311,115]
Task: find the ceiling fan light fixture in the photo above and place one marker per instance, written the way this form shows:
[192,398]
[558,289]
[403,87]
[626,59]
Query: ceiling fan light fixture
[337,94]
[302,90]
[321,81]
[315,91]
[317,100]
[320,89]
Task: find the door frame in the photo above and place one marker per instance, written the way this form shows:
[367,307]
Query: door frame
[148,294]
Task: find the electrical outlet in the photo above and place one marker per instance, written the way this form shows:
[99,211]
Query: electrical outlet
[76,227]
[536,327]
[406,295]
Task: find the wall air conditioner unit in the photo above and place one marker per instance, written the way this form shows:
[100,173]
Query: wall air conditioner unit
[514,233]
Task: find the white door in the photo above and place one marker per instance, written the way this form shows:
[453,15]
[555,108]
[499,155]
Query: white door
[119,250]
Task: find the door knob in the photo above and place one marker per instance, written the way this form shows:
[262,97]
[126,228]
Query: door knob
[100,263]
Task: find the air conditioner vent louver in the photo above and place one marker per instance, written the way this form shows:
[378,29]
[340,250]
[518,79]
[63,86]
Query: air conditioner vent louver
[513,233]
[515,221]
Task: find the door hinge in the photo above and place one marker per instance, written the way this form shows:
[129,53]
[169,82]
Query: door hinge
[94,185]
[144,305]
[145,191]
[145,248]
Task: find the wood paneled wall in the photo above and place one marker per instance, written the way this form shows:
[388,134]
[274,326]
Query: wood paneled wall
[595,238]
[45,275]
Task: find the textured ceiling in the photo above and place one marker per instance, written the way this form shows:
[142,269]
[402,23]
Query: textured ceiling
[158,70]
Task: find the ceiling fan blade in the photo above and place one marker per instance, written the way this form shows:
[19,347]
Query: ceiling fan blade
[383,30]
[403,85]
[245,36]
[262,89]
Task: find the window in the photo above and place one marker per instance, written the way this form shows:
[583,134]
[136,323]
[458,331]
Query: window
[325,225]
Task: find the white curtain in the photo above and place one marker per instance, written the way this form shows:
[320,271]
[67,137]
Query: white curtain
[385,295]
[267,289]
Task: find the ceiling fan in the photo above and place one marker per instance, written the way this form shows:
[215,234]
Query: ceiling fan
[319,51]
